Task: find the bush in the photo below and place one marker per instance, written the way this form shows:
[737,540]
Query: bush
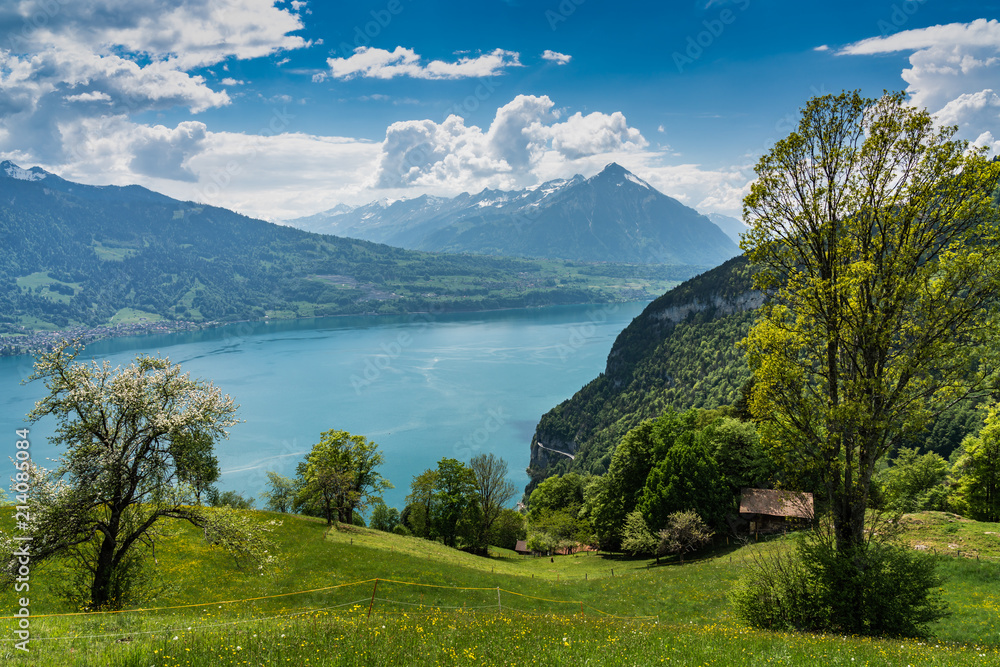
[880,589]
[685,531]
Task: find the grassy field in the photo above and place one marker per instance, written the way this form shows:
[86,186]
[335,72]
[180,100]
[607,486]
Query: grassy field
[434,606]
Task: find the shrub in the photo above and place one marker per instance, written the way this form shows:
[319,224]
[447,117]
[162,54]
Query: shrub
[880,589]
[685,531]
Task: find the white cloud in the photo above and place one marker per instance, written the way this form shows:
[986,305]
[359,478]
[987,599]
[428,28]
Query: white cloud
[452,156]
[271,176]
[953,72]
[556,57]
[93,96]
[381,64]
[73,68]
[187,33]
[230,81]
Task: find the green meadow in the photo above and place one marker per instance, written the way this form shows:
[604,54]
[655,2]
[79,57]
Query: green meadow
[354,596]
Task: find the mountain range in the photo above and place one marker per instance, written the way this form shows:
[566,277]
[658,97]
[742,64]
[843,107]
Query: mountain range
[614,216]
[83,255]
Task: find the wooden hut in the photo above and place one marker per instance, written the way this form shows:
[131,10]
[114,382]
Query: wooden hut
[770,510]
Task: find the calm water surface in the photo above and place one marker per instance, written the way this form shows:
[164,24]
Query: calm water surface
[421,386]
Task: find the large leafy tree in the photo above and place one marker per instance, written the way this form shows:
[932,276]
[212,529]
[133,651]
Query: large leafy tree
[493,492]
[687,478]
[339,476]
[454,495]
[874,237]
[132,437]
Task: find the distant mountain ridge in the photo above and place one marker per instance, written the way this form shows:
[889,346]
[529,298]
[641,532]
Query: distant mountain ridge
[614,216]
[82,255]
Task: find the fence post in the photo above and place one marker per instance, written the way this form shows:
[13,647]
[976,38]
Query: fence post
[499,606]
[372,604]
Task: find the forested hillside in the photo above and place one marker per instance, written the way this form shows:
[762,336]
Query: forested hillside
[85,255]
[680,353]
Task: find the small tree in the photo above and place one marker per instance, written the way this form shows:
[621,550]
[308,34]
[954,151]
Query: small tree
[685,532]
[493,492]
[280,494]
[420,503]
[131,437]
[339,475]
[384,518]
[637,539]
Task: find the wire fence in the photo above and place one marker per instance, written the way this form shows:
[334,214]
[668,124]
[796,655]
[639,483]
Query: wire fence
[387,597]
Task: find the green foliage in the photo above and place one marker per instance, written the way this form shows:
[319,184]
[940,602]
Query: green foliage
[420,501]
[508,529]
[339,475]
[230,498]
[637,539]
[977,470]
[879,588]
[556,530]
[685,532]
[686,478]
[736,448]
[493,492]
[559,492]
[132,437]
[914,482]
[384,517]
[874,236]
[279,496]
[454,491]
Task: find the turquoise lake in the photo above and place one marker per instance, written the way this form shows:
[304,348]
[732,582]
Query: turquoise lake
[422,386]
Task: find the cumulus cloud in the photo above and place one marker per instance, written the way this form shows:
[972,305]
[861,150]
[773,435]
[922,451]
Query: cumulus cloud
[556,57]
[73,68]
[187,33]
[271,175]
[953,71]
[381,64]
[453,155]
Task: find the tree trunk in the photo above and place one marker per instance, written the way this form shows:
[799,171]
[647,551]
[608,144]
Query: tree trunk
[100,589]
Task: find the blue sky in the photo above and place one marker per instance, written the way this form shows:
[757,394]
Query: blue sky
[284,108]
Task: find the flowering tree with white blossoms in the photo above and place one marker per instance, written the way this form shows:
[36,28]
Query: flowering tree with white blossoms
[130,436]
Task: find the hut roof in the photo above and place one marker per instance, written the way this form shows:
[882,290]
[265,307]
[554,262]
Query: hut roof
[777,503]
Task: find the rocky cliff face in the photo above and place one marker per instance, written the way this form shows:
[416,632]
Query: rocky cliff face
[680,352]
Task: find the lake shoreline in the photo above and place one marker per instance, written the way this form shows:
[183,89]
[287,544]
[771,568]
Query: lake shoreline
[28,343]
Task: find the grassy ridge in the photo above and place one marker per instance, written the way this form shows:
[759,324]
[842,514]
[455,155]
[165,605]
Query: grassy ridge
[569,610]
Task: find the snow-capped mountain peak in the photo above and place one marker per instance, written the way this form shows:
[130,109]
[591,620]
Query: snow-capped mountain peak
[16,172]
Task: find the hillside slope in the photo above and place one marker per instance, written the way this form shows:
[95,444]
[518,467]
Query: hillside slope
[679,352]
[82,255]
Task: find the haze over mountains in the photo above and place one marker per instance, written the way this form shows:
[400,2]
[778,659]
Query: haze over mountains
[614,216]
